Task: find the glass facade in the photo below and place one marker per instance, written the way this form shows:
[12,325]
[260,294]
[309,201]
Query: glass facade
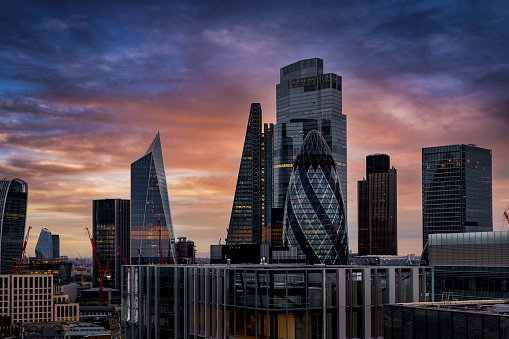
[251,210]
[314,217]
[307,99]
[475,319]
[44,247]
[149,207]
[377,207]
[13,208]
[456,190]
[264,301]
[111,230]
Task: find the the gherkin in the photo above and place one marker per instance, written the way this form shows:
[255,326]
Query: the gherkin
[315,218]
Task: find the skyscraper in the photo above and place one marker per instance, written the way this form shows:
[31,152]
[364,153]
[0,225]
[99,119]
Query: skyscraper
[151,225]
[55,239]
[13,209]
[111,230]
[315,218]
[377,207]
[44,247]
[252,203]
[307,99]
[456,190]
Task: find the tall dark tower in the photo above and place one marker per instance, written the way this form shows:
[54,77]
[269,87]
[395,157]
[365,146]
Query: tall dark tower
[13,209]
[253,194]
[111,230]
[456,190]
[307,99]
[377,207]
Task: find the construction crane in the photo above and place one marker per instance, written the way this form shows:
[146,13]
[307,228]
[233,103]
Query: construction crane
[16,270]
[122,256]
[102,272]
[506,214]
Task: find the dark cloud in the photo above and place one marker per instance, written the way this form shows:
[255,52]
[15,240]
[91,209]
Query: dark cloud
[84,86]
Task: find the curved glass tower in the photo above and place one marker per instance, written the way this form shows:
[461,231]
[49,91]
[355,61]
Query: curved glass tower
[13,209]
[44,247]
[314,219]
[149,206]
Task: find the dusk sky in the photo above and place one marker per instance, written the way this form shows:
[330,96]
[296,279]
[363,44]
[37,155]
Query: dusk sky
[86,85]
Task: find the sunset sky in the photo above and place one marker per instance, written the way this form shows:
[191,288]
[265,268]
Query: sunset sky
[86,85]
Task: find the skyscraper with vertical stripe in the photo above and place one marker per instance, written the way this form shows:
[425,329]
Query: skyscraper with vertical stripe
[252,202]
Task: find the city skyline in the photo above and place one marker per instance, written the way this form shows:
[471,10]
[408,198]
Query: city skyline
[82,91]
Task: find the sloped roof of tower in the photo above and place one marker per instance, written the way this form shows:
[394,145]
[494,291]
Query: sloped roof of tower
[314,151]
[156,143]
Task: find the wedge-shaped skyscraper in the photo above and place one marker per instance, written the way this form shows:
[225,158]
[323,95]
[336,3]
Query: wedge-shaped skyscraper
[44,247]
[13,209]
[314,219]
[253,194]
[151,225]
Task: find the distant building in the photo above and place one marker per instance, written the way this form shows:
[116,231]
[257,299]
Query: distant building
[265,301]
[60,269]
[111,230]
[307,99]
[456,190]
[13,208]
[276,226]
[377,208]
[185,251]
[44,247]
[250,217]
[150,209]
[315,217]
[55,239]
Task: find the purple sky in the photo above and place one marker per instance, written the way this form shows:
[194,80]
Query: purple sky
[85,86]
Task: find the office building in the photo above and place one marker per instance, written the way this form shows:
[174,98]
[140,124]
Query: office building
[60,269]
[447,319]
[111,230]
[377,208]
[152,238]
[251,210]
[264,301]
[44,247]
[55,240]
[456,190]
[13,209]
[470,265]
[30,297]
[315,218]
[307,99]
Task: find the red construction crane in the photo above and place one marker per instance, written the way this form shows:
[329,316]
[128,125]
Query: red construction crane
[506,214]
[161,258]
[121,255]
[99,267]
[15,270]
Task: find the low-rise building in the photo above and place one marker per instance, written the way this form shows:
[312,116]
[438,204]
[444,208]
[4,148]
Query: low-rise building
[262,301]
[447,319]
[64,310]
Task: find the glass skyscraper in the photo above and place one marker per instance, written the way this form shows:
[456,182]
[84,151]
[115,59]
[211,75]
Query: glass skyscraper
[44,247]
[307,99]
[456,190]
[377,207]
[252,202]
[315,218]
[13,209]
[111,230]
[149,208]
